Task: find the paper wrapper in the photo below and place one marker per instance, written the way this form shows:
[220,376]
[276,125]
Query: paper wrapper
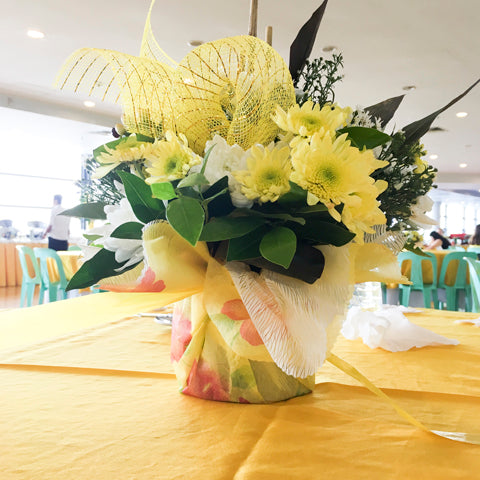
[238,335]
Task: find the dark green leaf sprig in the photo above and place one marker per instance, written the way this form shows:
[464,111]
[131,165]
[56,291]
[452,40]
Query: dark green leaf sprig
[405,182]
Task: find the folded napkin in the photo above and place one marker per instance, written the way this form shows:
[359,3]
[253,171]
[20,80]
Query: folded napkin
[475,322]
[388,328]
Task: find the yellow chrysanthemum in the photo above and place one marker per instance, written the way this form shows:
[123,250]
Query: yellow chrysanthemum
[310,119]
[128,150]
[421,165]
[268,174]
[169,159]
[335,173]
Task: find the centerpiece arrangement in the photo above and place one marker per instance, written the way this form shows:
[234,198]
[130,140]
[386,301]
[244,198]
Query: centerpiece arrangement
[242,190]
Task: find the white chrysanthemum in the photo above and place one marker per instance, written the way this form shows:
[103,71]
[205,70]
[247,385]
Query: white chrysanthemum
[124,249]
[422,205]
[223,160]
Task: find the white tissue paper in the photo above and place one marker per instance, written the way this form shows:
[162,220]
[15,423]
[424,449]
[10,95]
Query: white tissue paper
[388,328]
[475,322]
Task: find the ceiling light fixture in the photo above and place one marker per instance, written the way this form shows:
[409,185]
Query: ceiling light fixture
[35,34]
[408,88]
[89,103]
[434,156]
[462,165]
[195,43]
[329,48]
[461,114]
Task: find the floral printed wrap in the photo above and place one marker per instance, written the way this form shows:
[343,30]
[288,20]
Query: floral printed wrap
[242,336]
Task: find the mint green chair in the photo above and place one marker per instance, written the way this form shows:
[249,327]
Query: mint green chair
[429,290]
[74,248]
[460,284]
[474,270]
[473,248]
[29,283]
[55,287]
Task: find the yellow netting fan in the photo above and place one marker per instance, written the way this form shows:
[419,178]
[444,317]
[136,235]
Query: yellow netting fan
[228,87]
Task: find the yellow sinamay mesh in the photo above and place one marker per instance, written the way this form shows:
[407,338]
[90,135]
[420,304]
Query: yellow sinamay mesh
[229,86]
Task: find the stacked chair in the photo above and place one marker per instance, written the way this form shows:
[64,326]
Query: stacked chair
[55,287]
[474,270]
[429,290]
[26,256]
[460,285]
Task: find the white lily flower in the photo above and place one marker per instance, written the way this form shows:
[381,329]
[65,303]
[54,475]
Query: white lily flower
[422,205]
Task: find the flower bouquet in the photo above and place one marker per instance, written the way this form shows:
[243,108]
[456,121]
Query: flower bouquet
[253,204]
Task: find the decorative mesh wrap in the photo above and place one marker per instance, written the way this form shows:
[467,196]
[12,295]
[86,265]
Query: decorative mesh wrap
[229,87]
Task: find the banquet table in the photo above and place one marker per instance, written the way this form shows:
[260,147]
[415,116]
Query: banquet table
[88,392]
[10,268]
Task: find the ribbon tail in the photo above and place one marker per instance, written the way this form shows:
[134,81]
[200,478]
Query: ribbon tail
[473,438]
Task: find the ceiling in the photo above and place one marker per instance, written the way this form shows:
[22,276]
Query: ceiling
[432,44]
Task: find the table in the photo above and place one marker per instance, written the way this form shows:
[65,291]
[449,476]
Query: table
[71,261]
[102,402]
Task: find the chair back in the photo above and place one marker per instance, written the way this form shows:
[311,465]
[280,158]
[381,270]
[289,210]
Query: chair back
[416,275]
[474,270]
[26,256]
[461,273]
[53,285]
[74,248]
[29,263]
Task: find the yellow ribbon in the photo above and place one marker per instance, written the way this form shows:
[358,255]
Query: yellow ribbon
[473,438]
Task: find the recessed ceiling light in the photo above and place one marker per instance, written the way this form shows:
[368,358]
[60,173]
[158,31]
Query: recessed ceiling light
[434,156]
[195,43]
[462,165]
[35,34]
[329,48]
[89,103]
[409,87]
[461,114]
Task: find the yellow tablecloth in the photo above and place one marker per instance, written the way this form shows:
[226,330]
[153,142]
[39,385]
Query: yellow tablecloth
[102,403]
[71,261]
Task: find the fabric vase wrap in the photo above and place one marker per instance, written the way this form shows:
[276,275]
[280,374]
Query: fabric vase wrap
[238,335]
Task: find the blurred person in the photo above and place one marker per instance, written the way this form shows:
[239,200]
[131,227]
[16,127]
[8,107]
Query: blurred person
[475,238]
[438,241]
[58,230]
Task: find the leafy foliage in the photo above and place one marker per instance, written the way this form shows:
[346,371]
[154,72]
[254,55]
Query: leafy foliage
[318,79]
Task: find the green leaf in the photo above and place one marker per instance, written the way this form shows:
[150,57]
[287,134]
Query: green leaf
[193,179]
[92,211]
[320,232]
[139,194]
[365,137]
[302,46]
[163,191]
[224,228]
[247,246]
[91,237]
[416,130]
[205,159]
[307,264]
[101,265]
[296,196]
[278,246]
[221,205]
[319,207]
[129,230]
[186,216]
[385,110]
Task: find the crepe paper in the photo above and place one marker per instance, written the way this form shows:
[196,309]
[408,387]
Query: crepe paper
[389,329]
[473,438]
